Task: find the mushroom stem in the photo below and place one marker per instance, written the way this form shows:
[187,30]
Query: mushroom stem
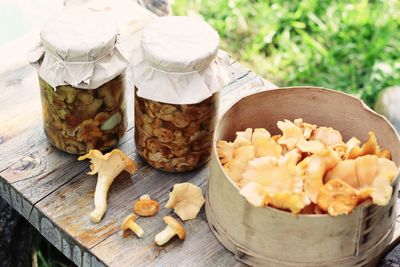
[107,167]
[135,228]
[165,235]
[100,196]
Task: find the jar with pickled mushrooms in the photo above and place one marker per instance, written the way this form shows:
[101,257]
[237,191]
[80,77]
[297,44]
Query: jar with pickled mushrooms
[82,81]
[178,75]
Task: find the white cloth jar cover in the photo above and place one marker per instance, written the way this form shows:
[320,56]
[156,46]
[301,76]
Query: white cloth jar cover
[79,48]
[177,62]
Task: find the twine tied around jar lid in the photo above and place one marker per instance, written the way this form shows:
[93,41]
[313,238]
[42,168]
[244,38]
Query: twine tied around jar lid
[178,61]
[80,48]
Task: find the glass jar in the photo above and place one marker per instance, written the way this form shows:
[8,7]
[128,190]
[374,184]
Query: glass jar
[178,74]
[175,138]
[76,120]
[82,81]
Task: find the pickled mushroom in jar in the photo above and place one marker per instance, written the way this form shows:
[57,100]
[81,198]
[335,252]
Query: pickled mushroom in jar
[78,120]
[172,137]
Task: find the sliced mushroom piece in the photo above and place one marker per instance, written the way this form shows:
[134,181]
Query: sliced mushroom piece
[186,199]
[113,121]
[129,224]
[173,228]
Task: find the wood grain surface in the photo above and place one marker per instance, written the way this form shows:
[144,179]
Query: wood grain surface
[52,190]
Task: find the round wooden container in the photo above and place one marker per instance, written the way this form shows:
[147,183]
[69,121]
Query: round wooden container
[271,237]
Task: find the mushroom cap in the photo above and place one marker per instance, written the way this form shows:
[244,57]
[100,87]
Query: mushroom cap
[238,164]
[369,174]
[369,148]
[328,136]
[243,138]
[274,175]
[254,193]
[179,229]
[293,201]
[186,199]
[225,151]
[146,207]
[292,134]
[130,217]
[337,197]
[313,146]
[98,160]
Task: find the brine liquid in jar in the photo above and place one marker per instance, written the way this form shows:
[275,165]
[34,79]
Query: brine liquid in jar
[76,120]
[175,138]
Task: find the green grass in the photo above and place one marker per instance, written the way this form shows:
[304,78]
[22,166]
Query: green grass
[346,45]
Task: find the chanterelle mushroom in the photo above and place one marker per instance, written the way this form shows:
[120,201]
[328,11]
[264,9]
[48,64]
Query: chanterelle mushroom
[276,182]
[108,167]
[254,193]
[292,134]
[130,224]
[238,164]
[146,206]
[186,199]
[337,197]
[173,228]
[371,175]
[328,136]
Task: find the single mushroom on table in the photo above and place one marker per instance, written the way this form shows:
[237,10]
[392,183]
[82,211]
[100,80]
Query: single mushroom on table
[173,228]
[186,199]
[146,206]
[107,167]
[130,224]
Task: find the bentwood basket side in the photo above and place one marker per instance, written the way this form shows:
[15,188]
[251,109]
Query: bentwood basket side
[270,237]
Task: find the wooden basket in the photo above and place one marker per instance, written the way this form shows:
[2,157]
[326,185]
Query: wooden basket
[271,237]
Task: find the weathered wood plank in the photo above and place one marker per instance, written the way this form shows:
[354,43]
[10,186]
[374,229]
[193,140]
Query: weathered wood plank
[41,170]
[62,241]
[61,204]
[50,188]
[20,114]
[43,165]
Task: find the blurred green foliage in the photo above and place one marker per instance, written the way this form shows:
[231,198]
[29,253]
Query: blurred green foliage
[352,46]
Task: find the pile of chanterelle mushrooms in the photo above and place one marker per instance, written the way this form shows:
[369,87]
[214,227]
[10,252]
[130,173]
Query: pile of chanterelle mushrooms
[308,169]
[186,199]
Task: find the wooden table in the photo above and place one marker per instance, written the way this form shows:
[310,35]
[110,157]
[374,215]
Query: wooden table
[52,190]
